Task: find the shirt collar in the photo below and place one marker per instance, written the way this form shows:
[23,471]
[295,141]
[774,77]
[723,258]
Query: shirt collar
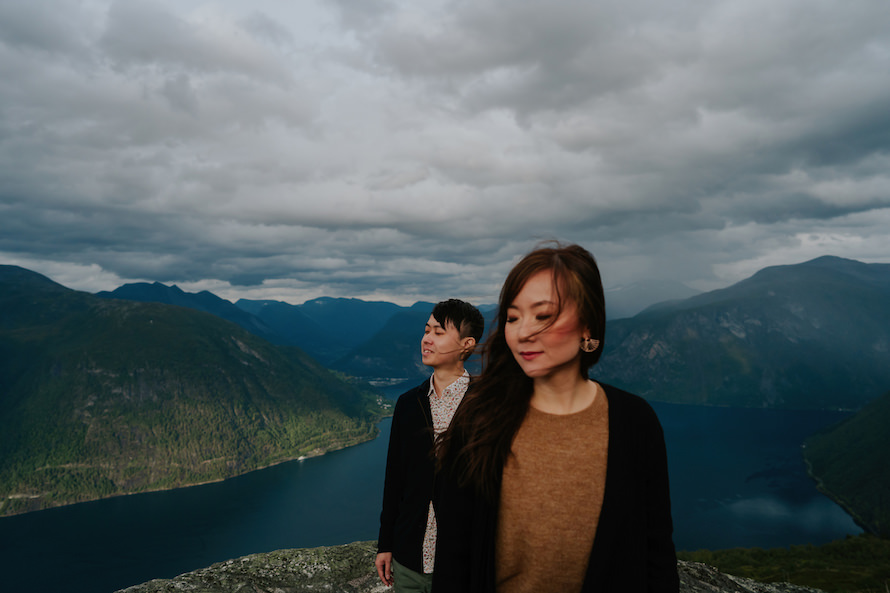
[458,387]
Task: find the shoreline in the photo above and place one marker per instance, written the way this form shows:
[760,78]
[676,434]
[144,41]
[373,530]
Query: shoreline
[820,486]
[312,454]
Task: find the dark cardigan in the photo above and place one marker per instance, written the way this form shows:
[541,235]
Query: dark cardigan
[408,485]
[633,550]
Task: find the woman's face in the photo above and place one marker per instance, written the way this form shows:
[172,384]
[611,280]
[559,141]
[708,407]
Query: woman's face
[541,344]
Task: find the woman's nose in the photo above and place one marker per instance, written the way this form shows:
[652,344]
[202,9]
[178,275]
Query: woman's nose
[524,331]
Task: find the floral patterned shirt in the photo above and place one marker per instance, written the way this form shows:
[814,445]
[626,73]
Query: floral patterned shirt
[443,408]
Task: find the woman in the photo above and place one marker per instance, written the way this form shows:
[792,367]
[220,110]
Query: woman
[550,481]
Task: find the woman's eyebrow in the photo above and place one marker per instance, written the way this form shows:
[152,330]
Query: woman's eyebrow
[533,305]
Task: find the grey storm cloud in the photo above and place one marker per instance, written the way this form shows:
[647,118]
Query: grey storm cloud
[404,150]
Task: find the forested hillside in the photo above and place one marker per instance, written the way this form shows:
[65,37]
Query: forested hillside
[851,463]
[101,397]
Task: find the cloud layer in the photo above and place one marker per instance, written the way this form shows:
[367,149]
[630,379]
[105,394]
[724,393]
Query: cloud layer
[405,151]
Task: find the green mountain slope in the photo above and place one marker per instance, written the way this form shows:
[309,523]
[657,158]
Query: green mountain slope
[811,335]
[851,463]
[101,397]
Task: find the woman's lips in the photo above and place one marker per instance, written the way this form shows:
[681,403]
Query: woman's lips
[529,355]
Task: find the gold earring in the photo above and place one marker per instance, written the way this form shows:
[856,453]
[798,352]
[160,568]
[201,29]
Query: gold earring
[589,344]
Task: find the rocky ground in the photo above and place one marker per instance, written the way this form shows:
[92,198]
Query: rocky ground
[350,569]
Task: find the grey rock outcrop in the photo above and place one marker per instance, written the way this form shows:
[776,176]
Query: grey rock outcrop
[350,569]
[701,578]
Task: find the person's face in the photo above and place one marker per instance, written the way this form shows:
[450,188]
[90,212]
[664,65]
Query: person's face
[441,345]
[541,344]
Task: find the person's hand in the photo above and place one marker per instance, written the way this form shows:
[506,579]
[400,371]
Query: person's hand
[384,567]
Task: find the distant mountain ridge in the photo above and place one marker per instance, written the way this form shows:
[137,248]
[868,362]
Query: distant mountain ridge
[328,328]
[208,302]
[376,341]
[809,335]
[104,396]
[392,354]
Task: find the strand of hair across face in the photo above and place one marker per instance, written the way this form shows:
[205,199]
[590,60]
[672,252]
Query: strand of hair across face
[476,445]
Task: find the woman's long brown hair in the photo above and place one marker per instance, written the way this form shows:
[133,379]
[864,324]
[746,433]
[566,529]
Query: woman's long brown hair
[476,445]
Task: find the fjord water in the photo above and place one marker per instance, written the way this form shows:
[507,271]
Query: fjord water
[737,480]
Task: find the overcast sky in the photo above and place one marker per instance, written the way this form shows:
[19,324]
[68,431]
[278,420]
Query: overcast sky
[412,150]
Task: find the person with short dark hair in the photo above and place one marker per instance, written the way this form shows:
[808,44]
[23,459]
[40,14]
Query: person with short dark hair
[407,540]
[551,482]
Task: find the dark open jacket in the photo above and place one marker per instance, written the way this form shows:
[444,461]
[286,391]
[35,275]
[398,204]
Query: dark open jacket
[408,486]
[633,550]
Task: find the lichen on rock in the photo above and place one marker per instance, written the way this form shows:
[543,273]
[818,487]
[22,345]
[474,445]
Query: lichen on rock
[350,568]
[336,569]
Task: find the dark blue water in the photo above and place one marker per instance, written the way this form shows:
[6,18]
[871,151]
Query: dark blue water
[737,479]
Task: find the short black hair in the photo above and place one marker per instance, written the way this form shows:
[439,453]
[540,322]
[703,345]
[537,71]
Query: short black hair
[462,315]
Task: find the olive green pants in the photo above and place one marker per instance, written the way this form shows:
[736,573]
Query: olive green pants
[406,580]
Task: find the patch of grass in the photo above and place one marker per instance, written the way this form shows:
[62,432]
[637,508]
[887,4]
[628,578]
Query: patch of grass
[857,564]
